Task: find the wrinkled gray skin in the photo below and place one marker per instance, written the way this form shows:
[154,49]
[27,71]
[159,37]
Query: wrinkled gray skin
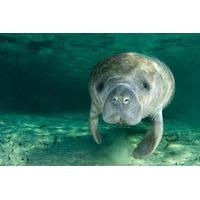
[127,88]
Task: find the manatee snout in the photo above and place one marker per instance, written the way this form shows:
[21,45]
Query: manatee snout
[121,106]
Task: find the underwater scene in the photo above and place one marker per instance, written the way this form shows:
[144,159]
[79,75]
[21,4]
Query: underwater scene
[45,102]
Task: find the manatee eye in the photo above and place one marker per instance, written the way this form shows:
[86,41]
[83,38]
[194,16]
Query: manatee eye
[146,85]
[100,86]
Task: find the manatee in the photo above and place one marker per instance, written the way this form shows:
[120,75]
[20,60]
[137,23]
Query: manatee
[126,88]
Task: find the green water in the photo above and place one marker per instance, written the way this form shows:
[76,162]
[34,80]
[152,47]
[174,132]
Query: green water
[44,100]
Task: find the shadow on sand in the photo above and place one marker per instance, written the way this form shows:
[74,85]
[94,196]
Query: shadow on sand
[82,150]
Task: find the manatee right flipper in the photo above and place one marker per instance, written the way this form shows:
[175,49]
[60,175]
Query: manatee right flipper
[93,123]
[151,139]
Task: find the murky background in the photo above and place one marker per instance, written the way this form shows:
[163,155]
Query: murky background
[44,100]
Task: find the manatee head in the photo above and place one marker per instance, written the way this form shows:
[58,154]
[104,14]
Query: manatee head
[120,104]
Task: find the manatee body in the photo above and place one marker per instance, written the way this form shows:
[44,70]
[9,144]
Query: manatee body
[127,88]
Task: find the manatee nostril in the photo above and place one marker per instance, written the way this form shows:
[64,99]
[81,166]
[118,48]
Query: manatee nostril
[126,100]
[114,100]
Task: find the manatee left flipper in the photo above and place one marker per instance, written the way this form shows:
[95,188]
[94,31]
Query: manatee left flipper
[93,123]
[151,139]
